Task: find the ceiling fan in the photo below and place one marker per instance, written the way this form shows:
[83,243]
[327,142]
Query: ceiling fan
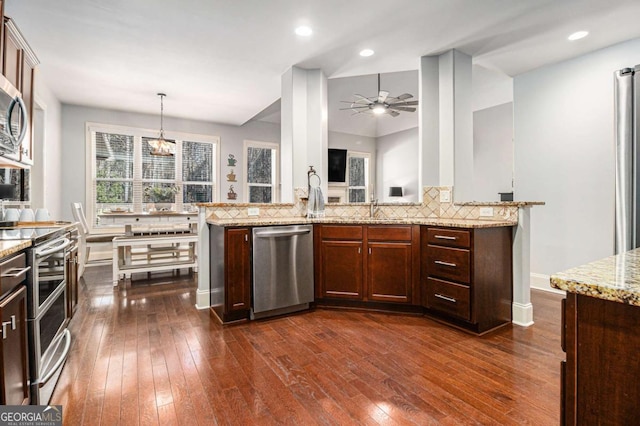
[382,104]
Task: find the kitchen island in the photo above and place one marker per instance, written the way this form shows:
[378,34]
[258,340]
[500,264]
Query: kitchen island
[601,319]
[455,270]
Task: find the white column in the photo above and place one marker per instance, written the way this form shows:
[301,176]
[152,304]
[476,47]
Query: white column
[429,123]
[456,124]
[304,131]
[522,308]
[203,298]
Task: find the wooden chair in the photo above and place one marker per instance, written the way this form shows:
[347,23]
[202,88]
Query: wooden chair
[88,240]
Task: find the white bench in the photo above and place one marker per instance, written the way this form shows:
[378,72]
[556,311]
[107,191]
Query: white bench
[153,252]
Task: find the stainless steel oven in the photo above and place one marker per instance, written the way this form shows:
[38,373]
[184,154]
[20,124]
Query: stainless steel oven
[49,337]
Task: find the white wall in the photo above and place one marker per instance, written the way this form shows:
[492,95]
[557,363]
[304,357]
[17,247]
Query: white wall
[351,142]
[564,155]
[74,147]
[48,162]
[397,165]
[492,152]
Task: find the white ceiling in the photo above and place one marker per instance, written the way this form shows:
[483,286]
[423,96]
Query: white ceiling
[221,60]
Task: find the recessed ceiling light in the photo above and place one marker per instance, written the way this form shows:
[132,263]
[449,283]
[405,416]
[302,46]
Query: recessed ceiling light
[304,31]
[366,52]
[578,35]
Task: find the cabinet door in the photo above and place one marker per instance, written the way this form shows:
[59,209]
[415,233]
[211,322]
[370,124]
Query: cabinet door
[389,272]
[14,389]
[238,270]
[26,149]
[12,58]
[342,269]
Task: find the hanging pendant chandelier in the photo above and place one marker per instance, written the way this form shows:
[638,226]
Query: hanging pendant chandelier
[161,146]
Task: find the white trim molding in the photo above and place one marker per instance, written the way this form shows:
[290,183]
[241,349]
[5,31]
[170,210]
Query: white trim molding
[522,314]
[543,282]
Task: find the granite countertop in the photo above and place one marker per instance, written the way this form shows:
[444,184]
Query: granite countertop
[456,223]
[615,278]
[501,203]
[13,246]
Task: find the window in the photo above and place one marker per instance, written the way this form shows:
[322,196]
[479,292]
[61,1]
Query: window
[125,175]
[358,183]
[261,161]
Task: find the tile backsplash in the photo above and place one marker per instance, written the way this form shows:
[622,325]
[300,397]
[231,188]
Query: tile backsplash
[431,208]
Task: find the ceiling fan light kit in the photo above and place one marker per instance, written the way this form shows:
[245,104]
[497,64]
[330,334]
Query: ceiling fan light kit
[382,104]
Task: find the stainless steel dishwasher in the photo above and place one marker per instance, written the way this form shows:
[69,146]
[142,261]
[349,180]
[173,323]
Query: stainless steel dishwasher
[282,269]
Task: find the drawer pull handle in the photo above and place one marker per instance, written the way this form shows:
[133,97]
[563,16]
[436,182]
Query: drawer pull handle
[15,272]
[6,323]
[440,262]
[445,237]
[447,298]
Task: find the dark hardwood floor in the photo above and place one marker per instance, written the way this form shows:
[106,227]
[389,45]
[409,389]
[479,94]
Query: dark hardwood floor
[145,355]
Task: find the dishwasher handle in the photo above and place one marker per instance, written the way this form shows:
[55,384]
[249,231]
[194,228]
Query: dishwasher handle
[273,234]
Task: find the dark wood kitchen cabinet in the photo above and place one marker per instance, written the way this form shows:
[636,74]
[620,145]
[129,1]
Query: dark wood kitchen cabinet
[19,66]
[14,369]
[238,259]
[392,263]
[12,62]
[339,270]
[367,263]
[599,380]
[230,272]
[467,276]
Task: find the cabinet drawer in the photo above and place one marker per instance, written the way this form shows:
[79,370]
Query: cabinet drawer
[449,237]
[341,232]
[448,263]
[12,272]
[449,298]
[389,233]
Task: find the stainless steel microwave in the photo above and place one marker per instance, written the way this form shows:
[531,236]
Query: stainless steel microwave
[13,118]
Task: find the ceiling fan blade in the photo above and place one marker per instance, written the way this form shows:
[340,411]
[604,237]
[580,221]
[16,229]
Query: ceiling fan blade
[382,96]
[393,113]
[402,108]
[363,98]
[410,103]
[404,96]
[355,107]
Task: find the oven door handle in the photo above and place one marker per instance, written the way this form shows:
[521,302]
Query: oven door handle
[65,335]
[59,247]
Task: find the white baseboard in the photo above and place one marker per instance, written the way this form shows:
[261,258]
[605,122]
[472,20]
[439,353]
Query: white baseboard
[522,314]
[203,299]
[541,282]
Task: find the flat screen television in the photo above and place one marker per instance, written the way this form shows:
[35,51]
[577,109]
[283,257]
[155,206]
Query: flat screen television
[337,165]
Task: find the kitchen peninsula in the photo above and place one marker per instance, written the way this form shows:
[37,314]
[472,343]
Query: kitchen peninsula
[601,319]
[443,259]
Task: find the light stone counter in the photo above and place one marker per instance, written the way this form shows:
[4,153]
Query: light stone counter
[13,246]
[615,278]
[457,223]
[501,203]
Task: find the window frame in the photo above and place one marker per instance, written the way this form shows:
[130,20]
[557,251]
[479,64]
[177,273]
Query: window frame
[138,134]
[275,186]
[367,181]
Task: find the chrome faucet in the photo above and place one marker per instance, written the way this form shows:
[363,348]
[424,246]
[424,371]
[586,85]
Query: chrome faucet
[373,206]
